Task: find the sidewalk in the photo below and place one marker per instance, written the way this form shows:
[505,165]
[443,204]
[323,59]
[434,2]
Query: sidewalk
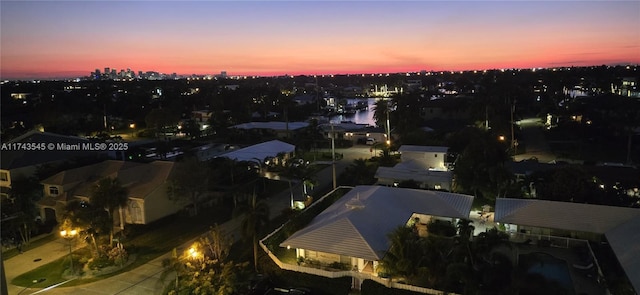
[33,258]
[146,278]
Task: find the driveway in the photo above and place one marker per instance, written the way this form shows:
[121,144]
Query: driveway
[145,279]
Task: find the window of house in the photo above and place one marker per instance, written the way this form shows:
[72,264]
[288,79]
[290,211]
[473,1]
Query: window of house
[53,191]
[136,212]
[4,176]
[435,156]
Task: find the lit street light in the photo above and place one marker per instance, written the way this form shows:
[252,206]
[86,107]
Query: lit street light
[132,126]
[69,235]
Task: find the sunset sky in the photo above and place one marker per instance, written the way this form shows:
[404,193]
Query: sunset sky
[55,39]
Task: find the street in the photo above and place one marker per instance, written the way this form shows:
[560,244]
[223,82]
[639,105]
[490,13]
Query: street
[146,278]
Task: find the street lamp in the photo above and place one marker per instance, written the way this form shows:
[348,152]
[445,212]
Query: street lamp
[195,255]
[132,126]
[69,235]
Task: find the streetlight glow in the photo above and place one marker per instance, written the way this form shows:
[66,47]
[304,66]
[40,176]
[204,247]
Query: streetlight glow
[69,235]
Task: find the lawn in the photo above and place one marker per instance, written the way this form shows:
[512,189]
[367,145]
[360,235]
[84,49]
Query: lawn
[145,242]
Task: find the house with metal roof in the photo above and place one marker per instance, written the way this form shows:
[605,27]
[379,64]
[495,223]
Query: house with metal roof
[354,229]
[619,225]
[146,184]
[425,165]
[259,152]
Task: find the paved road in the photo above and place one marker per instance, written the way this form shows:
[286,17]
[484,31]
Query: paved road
[145,279]
[535,143]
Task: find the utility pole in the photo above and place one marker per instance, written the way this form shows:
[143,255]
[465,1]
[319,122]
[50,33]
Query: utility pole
[513,140]
[333,155]
[388,127]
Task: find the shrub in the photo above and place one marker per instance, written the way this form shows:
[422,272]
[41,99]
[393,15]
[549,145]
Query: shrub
[118,255]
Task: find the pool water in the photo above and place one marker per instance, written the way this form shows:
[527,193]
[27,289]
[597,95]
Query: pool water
[553,269]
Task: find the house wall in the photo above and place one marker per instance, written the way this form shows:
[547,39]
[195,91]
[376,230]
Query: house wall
[433,160]
[157,205]
[134,214]
[438,180]
[16,174]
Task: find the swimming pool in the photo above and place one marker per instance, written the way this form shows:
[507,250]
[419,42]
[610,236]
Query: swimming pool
[553,269]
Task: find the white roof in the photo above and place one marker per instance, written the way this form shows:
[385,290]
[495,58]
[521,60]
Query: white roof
[562,215]
[271,125]
[358,223]
[417,175]
[260,151]
[620,225]
[625,242]
[423,148]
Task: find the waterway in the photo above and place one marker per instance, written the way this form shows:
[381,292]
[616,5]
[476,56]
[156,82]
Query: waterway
[361,116]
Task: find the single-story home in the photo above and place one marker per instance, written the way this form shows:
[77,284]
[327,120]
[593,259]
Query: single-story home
[260,152]
[425,165]
[146,183]
[620,226]
[353,132]
[354,229]
[274,128]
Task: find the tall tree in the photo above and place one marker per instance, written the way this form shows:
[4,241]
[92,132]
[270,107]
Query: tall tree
[20,208]
[255,216]
[189,182]
[109,194]
[358,173]
[92,222]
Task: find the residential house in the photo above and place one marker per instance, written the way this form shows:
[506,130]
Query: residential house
[356,133]
[447,108]
[425,165]
[260,152]
[146,184]
[271,129]
[354,229]
[201,117]
[21,162]
[540,219]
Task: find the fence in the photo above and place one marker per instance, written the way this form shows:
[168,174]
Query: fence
[356,275]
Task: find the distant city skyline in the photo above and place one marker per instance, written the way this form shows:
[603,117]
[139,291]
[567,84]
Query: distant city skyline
[65,39]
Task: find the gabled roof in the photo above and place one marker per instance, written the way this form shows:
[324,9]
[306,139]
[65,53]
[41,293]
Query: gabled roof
[280,126]
[260,151]
[422,148]
[140,179]
[562,215]
[358,223]
[18,159]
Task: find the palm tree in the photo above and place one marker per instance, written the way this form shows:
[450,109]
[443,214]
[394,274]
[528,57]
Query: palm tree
[91,221]
[358,173]
[465,232]
[256,215]
[109,194]
[380,110]
[189,182]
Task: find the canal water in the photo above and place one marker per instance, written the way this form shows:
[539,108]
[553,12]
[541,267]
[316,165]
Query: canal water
[361,116]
